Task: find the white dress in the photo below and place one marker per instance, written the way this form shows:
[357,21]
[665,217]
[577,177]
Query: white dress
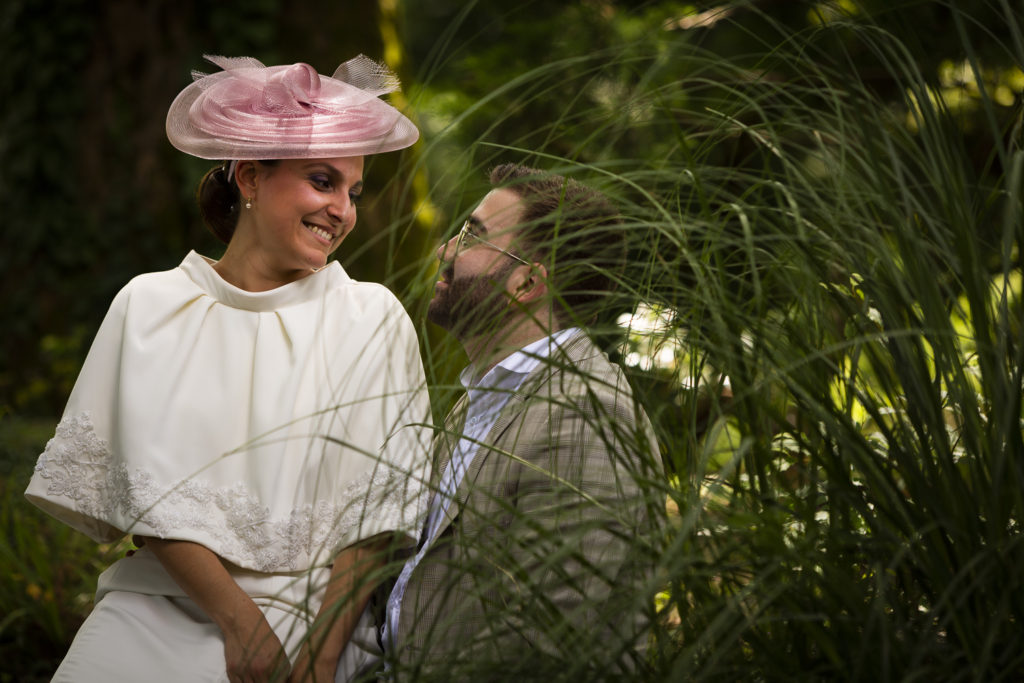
[274,428]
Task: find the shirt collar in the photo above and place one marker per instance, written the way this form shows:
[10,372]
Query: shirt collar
[519,363]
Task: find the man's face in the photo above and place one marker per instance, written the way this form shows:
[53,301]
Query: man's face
[474,277]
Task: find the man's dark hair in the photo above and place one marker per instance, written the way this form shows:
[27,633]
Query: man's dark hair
[575,231]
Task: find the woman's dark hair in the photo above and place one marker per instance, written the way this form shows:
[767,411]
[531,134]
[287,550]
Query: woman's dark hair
[219,200]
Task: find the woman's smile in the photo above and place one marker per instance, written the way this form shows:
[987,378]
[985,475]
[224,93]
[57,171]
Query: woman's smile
[326,236]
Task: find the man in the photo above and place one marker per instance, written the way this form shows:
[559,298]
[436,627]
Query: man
[527,565]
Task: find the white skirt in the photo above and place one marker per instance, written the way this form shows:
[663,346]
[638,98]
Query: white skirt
[144,628]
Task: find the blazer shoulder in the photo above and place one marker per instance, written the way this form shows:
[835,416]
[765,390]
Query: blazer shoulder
[581,381]
[581,369]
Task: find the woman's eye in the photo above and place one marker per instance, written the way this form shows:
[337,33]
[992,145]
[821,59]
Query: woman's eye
[354,196]
[322,182]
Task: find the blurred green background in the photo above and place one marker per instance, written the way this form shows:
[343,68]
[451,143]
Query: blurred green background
[906,121]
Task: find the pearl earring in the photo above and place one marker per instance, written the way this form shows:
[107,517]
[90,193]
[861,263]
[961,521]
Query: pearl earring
[248,203]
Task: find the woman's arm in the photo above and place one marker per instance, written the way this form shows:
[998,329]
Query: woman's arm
[252,650]
[344,601]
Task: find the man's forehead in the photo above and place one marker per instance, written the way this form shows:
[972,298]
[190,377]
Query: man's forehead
[499,210]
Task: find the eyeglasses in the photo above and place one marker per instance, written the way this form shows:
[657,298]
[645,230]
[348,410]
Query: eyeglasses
[467,234]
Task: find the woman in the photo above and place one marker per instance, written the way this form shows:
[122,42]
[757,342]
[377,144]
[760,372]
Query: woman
[251,421]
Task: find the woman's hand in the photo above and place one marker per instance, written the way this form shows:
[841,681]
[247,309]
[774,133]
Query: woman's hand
[308,669]
[348,590]
[252,650]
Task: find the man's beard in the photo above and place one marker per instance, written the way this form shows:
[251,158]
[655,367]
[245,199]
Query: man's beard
[470,306]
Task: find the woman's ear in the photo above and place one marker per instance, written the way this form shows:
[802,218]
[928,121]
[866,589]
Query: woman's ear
[247,179]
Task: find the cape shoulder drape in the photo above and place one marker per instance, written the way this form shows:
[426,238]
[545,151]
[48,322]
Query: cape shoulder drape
[275,427]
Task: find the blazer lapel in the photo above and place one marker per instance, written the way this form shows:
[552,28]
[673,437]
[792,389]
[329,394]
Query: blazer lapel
[572,351]
[484,450]
[446,441]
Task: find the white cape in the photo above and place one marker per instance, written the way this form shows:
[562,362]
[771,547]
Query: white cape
[274,428]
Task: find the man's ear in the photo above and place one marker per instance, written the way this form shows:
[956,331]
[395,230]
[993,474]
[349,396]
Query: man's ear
[529,285]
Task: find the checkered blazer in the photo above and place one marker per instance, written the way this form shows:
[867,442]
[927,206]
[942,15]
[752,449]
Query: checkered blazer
[534,557]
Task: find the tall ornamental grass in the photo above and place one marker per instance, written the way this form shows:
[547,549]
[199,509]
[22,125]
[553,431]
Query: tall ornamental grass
[843,315]
[823,317]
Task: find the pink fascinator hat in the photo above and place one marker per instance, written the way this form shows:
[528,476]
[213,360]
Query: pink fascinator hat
[251,111]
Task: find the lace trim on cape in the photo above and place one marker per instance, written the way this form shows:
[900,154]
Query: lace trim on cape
[78,466]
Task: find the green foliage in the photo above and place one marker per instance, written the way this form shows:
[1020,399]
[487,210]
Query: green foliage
[827,212]
[866,525]
[827,223]
[92,192]
[49,569]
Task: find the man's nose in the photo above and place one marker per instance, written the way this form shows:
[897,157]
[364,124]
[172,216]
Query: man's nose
[446,250]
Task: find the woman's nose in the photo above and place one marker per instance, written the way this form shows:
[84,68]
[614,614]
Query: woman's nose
[339,207]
